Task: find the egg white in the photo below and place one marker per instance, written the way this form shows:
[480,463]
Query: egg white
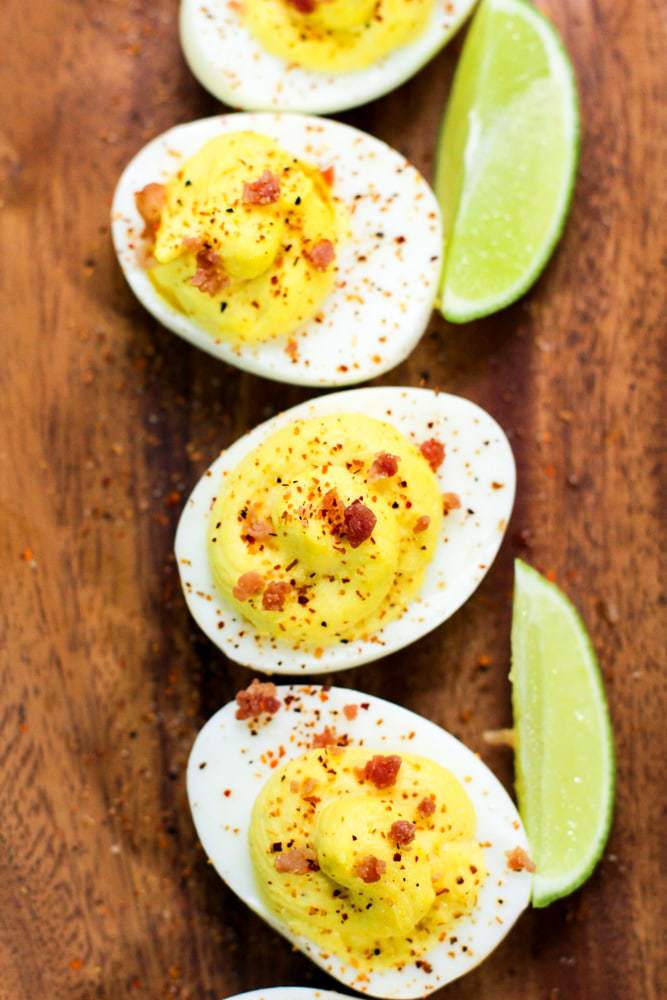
[478,455]
[385,285]
[233,66]
[225,774]
[290,993]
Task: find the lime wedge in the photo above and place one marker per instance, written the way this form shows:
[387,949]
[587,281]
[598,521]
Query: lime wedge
[507,158]
[564,747]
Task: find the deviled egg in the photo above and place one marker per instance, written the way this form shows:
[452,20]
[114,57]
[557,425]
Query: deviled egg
[296,248]
[370,838]
[318,56]
[345,528]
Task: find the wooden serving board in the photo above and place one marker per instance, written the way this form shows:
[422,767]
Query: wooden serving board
[108,421]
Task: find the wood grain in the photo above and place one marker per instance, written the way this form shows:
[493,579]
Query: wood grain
[107,420]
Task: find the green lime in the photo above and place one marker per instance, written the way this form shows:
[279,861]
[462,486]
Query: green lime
[507,158]
[564,746]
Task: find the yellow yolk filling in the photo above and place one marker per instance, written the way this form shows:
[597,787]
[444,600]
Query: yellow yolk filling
[334,591]
[268,283]
[319,803]
[337,36]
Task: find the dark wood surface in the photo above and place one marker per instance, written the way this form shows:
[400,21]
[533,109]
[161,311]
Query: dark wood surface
[108,420]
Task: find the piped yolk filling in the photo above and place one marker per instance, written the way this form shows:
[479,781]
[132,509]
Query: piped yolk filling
[243,238]
[337,36]
[323,533]
[375,875]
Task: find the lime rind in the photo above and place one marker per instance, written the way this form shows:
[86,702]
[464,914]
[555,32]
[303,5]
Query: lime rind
[456,308]
[530,587]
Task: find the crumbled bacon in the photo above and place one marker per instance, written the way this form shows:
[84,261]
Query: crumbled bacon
[264,191]
[359,523]
[450,501]
[259,528]
[327,738]
[248,585]
[275,595]
[257,698]
[422,523]
[150,201]
[382,771]
[370,869]
[426,807]
[303,6]
[329,174]
[402,832]
[350,712]
[308,786]
[519,861]
[333,512]
[321,254]
[384,466]
[209,276]
[434,452]
[297,861]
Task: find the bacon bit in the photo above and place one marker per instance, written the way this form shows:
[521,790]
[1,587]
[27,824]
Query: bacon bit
[327,738]
[292,350]
[359,523]
[258,697]
[258,527]
[422,523]
[248,585]
[519,861]
[264,191]
[382,771]
[402,832]
[297,861]
[308,786]
[500,738]
[303,6]
[275,595]
[329,173]
[384,466]
[434,452]
[424,966]
[209,278]
[192,243]
[150,201]
[321,254]
[450,501]
[370,869]
[333,512]
[350,712]
[426,807]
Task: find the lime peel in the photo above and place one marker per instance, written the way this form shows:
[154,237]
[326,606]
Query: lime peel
[508,154]
[565,767]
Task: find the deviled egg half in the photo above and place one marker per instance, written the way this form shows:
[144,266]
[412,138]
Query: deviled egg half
[317,56]
[345,528]
[293,247]
[369,837]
